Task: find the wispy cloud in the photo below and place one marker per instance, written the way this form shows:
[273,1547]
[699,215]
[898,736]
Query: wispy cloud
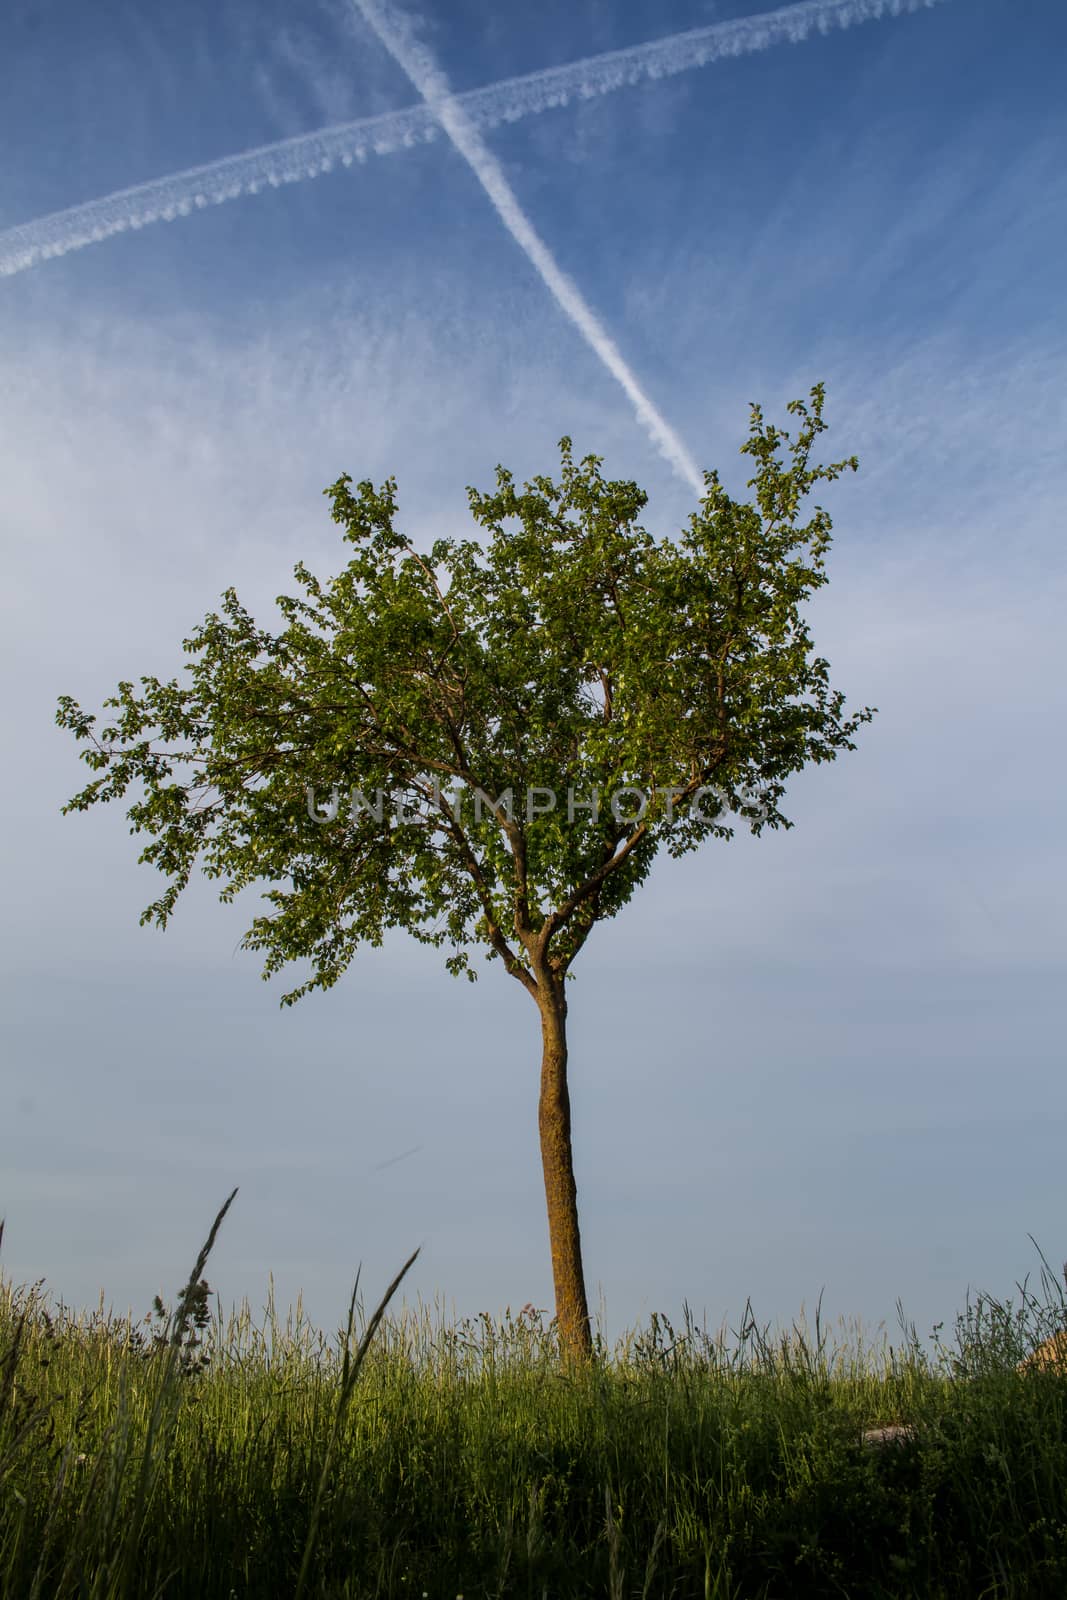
[394,32]
[303,64]
[311,154]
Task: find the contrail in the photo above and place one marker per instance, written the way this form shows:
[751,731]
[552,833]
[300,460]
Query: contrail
[394,32]
[309,154]
[392,1159]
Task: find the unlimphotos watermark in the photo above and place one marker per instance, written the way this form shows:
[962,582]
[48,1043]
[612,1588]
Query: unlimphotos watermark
[628,805]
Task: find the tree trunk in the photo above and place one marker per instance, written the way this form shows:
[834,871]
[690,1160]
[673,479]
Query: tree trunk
[557,1160]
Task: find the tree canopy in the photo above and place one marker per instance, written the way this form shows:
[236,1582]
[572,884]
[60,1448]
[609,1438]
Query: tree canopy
[568,658]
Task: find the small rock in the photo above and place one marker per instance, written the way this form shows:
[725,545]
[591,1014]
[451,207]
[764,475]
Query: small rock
[897,1433]
[1049,1355]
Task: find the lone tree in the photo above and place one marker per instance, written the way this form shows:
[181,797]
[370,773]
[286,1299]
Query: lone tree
[487,745]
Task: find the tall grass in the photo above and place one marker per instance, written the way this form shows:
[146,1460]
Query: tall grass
[207,1457]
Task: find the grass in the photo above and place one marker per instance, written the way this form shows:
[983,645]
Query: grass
[185,1456]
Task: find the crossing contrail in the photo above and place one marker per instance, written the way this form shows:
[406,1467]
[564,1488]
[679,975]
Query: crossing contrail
[310,154]
[394,32]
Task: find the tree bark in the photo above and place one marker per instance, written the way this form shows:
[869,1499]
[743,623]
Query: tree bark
[557,1161]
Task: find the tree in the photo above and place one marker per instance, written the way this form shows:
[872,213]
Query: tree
[520,724]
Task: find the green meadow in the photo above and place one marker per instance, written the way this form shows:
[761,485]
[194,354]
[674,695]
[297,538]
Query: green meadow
[188,1455]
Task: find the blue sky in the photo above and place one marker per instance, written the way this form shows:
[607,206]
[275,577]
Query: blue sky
[829,1059]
